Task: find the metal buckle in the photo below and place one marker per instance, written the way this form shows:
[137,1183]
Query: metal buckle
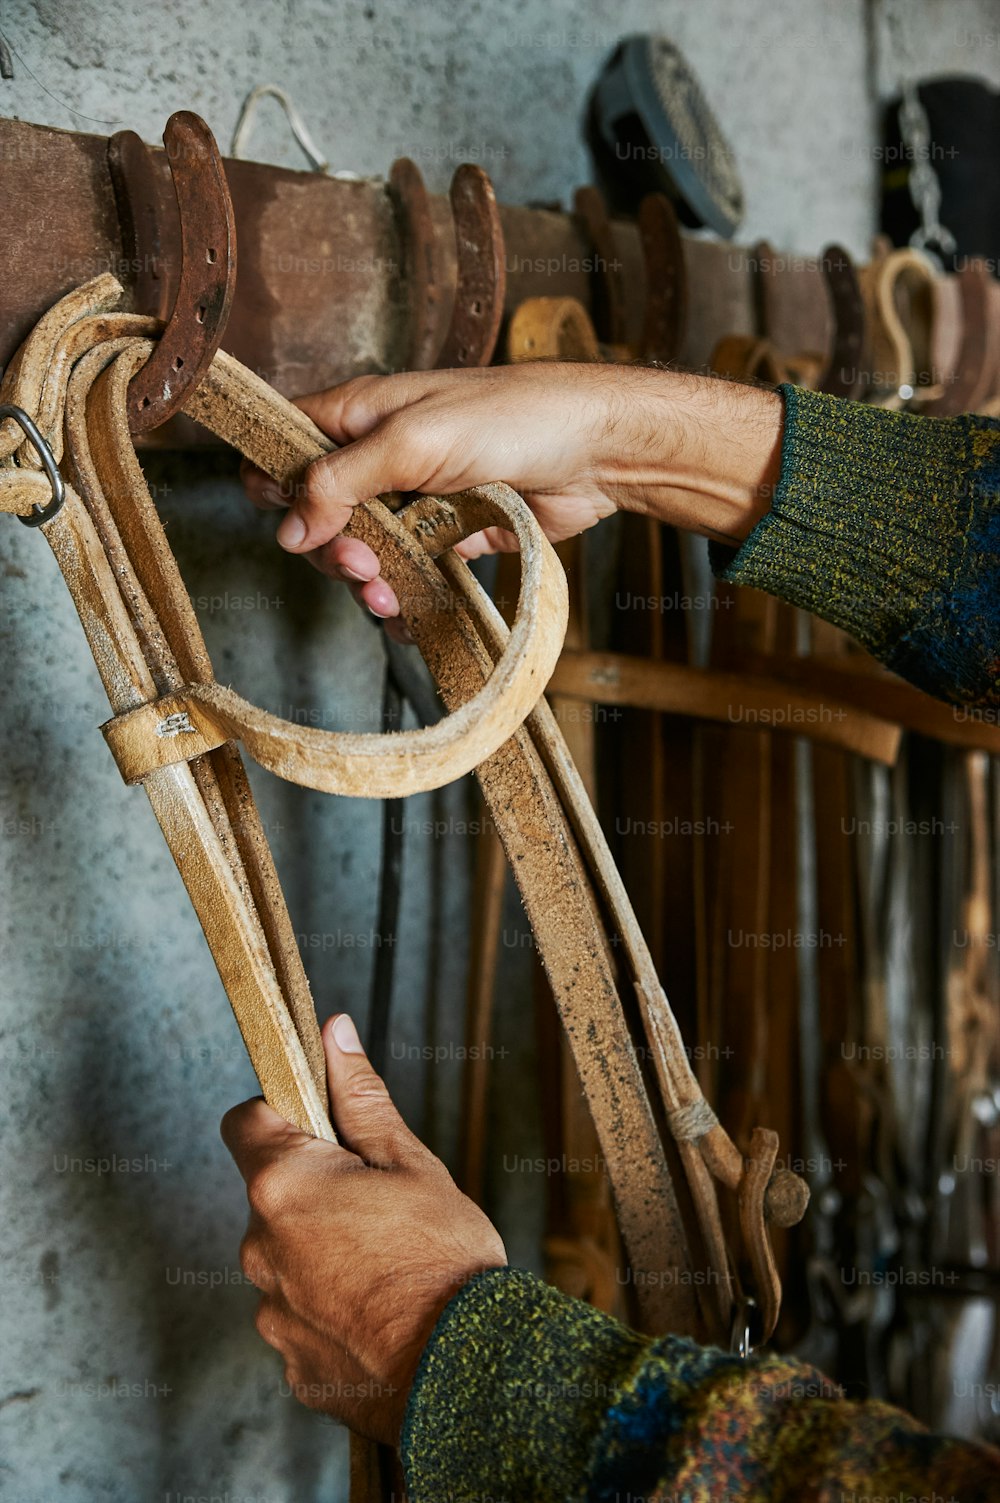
[40,514]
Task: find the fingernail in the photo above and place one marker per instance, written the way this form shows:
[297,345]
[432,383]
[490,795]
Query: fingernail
[292,531]
[272,495]
[345,1036]
[353,574]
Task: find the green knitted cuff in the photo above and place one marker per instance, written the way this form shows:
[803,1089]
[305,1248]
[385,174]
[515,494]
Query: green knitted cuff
[511,1393]
[885,524]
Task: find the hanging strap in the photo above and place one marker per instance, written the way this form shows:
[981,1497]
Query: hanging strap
[174,730]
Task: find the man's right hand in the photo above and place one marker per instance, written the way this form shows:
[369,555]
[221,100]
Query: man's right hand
[577,441]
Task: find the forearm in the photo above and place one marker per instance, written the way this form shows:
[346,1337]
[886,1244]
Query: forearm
[695,452]
[884,523]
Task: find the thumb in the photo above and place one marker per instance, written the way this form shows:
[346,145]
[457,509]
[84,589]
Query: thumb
[334,484]
[362,1110]
[402,453]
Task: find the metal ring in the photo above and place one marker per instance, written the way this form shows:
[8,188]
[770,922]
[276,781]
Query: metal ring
[740,1341]
[40,514]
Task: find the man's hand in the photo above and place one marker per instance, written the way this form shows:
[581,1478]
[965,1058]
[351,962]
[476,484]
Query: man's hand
[356,1248]
[577,441]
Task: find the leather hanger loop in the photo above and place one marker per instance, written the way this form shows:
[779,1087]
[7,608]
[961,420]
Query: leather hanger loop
[746,357]
[896,287]
[551,328]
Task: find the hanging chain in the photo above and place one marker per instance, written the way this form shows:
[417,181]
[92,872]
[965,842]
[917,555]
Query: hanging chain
[925,189]
[915,130]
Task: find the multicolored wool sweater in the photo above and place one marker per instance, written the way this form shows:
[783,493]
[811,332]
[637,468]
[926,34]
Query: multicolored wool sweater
[889,526]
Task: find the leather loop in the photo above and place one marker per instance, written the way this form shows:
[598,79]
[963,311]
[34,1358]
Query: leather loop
[160,734]
[897,291]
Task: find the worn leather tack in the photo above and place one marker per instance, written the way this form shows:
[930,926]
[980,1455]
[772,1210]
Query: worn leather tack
[582,1246]
[113,553]
[897,289]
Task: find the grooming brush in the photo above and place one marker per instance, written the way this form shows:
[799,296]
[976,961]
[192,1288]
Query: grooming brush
[651,128]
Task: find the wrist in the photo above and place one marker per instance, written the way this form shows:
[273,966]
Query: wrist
[697,452]
[512,1392]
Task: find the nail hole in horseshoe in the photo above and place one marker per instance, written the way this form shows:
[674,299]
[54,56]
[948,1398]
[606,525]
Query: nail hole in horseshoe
[211,255]
[178,362]
[200,315]
[476,308]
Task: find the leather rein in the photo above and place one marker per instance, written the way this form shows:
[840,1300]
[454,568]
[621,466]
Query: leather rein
[175,730]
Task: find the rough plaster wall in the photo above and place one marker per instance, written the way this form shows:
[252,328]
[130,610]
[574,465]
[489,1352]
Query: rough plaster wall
[130,1368]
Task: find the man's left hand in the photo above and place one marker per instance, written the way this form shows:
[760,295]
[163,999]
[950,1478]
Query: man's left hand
[357,1247]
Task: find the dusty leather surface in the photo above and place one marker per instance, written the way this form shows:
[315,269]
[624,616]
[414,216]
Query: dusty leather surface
[147,645]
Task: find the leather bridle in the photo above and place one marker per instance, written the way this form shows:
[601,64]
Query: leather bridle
[174,729]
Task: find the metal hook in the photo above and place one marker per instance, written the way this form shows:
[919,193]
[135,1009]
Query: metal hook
[207,280]
[41,514]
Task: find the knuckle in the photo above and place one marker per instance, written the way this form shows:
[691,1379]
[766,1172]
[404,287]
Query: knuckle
[366,1086]
[266,1191]
[420,434]
[264,1322]
[317,486]
[251,1262]
[356,397]
[412,443]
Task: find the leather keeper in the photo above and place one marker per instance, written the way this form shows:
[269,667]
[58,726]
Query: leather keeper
[165,731]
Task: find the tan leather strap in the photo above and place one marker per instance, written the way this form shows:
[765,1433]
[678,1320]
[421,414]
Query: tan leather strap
[897,289]
[118,567]
[272,431]
[732,698]
[582,1245]
[335,762]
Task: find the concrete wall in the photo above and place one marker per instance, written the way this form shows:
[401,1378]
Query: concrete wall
[131,1369]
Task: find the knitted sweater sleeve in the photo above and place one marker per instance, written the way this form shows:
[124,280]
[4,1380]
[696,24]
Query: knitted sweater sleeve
[524,1395]
[888,525]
